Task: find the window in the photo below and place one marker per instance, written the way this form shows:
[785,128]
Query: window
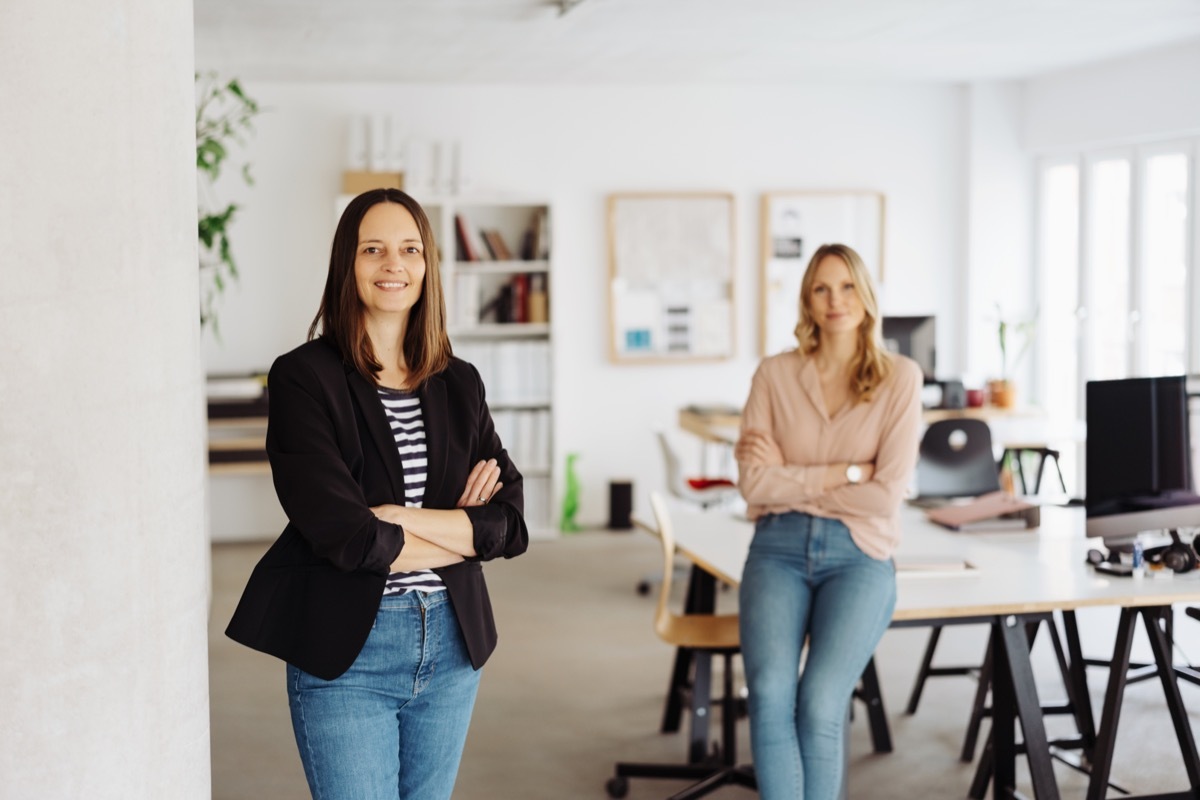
[1058,289]
[1117,270]
[1107,269]
[1161,345]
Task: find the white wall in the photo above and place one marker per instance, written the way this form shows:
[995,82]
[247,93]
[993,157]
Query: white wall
[999,262]
[574,146]
[1154,95]
[104,566]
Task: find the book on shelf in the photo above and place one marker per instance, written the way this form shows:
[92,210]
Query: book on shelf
[520,298]
[500,308]
[525,434]
[535,243]
[467,291]
[515,372]
[496,245]
[537,302]
[471,244]
[465,250]
[513,301]
[541,222]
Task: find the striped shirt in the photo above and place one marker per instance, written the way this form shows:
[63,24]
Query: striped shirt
[403,410]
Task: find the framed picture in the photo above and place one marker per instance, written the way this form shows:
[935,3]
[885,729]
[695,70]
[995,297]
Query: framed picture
[794,225]
[671,271]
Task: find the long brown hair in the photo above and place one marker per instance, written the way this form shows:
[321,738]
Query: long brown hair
[872,363]
[340,316]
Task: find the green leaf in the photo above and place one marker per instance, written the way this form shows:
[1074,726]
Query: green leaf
[223,112]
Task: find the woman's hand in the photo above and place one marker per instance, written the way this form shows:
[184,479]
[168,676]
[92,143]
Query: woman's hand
[755,447]
[482,484]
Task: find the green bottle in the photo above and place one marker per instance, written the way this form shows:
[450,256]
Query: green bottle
[570,505]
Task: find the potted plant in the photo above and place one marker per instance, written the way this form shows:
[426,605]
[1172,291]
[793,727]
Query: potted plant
[1015,337]
[223,115]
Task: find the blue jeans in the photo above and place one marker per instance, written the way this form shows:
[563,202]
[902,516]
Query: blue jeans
[394,725]
[804,576]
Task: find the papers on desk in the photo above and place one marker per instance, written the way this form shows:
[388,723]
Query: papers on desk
[921,566]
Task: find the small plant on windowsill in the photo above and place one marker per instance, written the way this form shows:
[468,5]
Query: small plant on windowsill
[224,114]
[1015,337]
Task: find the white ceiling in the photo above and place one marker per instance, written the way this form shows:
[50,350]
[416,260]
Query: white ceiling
[676,41]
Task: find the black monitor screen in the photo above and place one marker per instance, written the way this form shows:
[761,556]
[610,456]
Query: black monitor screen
[1137,446]
[914,337]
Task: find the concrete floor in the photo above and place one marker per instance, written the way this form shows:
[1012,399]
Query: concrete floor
[577,684]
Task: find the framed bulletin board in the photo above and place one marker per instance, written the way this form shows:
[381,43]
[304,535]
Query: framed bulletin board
[794,225]
[671,270]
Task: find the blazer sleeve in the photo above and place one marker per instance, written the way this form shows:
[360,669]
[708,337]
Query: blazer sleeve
[313,480]
[499,525]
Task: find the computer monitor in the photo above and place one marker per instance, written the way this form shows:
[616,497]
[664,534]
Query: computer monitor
[916,338]
[1139,470]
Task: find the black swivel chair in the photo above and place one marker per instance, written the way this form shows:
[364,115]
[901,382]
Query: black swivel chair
[956,460]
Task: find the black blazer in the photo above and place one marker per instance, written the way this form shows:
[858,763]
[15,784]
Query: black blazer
[312,598]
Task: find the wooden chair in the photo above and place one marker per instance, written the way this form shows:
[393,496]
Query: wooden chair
[711,634]
[704,492]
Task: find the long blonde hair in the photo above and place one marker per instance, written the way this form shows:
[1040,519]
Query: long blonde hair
[872,363]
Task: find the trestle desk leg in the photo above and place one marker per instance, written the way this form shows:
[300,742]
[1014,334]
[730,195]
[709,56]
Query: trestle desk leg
[1111,712]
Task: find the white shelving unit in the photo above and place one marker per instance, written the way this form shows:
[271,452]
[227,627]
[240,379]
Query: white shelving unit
[499,319]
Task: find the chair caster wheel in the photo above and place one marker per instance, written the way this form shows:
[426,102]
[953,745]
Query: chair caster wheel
[617,787]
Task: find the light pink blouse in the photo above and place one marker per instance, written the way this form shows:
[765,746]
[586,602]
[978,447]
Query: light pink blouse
[786,403]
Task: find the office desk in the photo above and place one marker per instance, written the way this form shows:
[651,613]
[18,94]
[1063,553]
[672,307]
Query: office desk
[1019,574]
[721,425]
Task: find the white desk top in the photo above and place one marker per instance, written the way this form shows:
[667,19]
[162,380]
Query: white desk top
[1016,571]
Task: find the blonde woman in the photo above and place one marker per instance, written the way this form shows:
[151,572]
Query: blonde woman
[829,441]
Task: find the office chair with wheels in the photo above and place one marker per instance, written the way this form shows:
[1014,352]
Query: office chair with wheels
[713,635]
[956,460]
[704,492]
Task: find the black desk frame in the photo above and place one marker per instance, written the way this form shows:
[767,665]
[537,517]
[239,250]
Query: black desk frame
[1157,622]
[1014,697]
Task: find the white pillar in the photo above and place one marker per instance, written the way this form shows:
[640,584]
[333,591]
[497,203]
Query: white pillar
[103,544]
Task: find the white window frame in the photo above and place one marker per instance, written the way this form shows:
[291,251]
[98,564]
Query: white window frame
[1187,148]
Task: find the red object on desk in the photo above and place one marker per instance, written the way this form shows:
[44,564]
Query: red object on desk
[700,484]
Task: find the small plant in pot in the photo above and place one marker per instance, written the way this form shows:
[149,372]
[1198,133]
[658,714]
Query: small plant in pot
[1015,337]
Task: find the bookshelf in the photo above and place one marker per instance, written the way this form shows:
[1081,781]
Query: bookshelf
[496,271]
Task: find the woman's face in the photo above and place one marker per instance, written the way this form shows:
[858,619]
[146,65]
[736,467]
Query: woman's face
[833,298]
[389,265]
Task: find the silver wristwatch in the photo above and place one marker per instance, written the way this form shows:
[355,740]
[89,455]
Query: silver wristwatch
[854,473]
